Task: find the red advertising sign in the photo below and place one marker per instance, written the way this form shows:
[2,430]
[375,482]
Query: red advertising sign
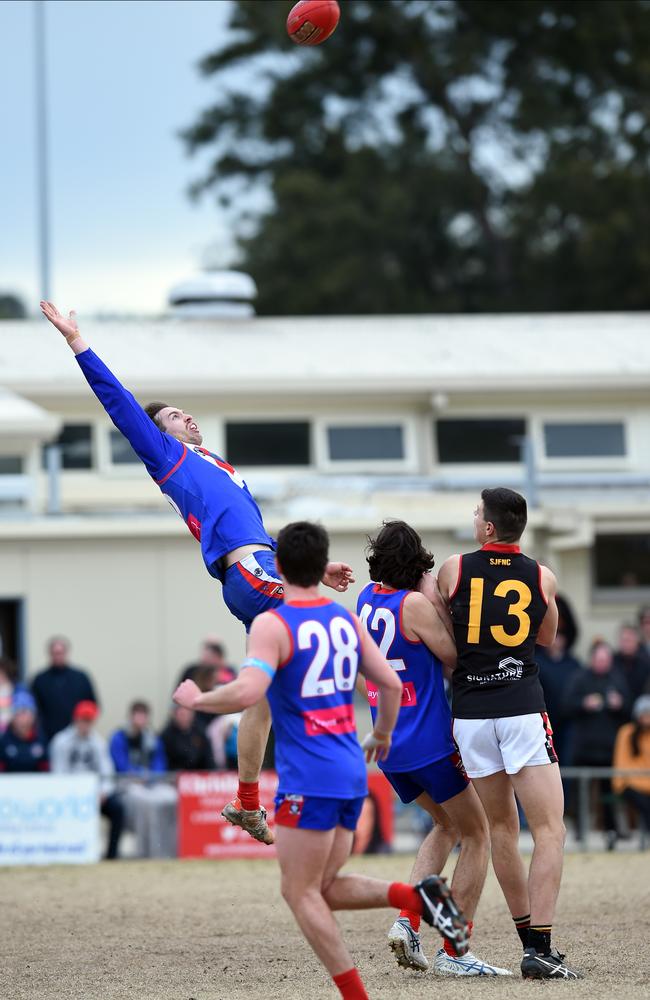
[204,833]
[202,830]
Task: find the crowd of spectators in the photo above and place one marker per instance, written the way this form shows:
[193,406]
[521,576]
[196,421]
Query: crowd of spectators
[52,726]
[599,710]
[600,714]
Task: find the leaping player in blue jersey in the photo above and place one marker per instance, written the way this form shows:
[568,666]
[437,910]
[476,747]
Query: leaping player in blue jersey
[304,656]
[423,764]
[219,510]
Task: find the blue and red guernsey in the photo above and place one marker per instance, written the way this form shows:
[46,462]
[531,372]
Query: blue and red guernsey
[210,496]
[317,752]
[423,731]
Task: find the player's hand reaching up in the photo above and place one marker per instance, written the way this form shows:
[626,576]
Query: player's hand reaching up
[338,576]
[68,327]
[376,745]
[186,694]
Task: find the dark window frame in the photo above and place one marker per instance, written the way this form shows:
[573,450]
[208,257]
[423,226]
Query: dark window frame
[92,457]
[334,427]
[235,450]
[600,426]
[511,454]
[634,565]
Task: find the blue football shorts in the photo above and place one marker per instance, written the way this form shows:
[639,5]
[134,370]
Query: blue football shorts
[307,812]
[441,780]
[252,586]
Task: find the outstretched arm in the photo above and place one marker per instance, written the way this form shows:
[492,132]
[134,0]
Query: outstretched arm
[158,451]
[268,646]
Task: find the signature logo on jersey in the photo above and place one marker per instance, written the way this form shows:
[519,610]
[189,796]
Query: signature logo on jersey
[509,669]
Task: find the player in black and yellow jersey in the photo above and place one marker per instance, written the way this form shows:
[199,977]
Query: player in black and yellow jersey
[502,603]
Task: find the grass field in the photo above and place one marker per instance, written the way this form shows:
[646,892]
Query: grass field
[220,931]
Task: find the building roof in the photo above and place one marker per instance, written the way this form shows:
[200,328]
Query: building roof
[362,354]
[20,418]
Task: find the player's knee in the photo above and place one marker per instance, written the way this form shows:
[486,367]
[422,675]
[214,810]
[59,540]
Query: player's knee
[505,827]
[551,828]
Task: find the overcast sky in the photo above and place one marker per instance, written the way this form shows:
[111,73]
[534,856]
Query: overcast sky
[122,81]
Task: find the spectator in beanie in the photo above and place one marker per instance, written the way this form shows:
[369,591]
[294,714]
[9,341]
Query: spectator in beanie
[59,687]
[78,749]
[150,805]
[22,748]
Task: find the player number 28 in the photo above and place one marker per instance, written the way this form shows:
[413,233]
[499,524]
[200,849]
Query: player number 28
[342,637]
[517,609]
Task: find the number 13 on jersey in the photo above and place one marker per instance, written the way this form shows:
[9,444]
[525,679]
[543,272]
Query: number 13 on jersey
[516,609]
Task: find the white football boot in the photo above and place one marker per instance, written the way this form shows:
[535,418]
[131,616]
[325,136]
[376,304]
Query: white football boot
[405,945]
[466,965]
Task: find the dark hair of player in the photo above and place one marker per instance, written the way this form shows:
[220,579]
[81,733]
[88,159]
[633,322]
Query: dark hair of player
[153,409]
[507,511]
[302,553]
[397,557]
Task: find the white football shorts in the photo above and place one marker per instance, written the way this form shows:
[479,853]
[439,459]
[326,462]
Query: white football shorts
[491,745]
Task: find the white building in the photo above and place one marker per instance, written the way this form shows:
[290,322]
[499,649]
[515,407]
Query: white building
[347,420]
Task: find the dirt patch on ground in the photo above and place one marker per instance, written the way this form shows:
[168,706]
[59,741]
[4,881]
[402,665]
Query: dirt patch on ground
[220,931]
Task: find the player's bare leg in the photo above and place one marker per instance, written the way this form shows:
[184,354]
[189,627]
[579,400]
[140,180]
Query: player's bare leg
[465,814]
[437,845]
[310,861]
[498,799]
[540,792]
[304,856]
[404,935]
[252,737]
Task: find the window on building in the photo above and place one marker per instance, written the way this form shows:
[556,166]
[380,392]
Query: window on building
[584,440]
[75,441]
[349,443]
[487,439]
[11,465]
[284,442]
[622,561]
[121,451]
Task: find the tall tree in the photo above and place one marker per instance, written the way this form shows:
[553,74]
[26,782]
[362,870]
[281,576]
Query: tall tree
[437,156]
[11,307]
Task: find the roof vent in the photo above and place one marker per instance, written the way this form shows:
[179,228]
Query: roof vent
[220,294]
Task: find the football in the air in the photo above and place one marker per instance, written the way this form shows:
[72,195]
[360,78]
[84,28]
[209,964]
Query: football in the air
[310,22]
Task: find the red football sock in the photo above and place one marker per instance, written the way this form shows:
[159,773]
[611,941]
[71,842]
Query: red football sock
[447,945]
[413,919]
[350,985]
[404,897]
[248,794]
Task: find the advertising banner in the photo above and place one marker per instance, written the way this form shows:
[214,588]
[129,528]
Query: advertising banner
[49,819]
[202,830]
[204,833]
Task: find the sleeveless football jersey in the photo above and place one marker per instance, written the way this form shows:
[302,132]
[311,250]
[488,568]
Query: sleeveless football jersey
[497,607]
[423,731]
[311,696]
[210,496]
